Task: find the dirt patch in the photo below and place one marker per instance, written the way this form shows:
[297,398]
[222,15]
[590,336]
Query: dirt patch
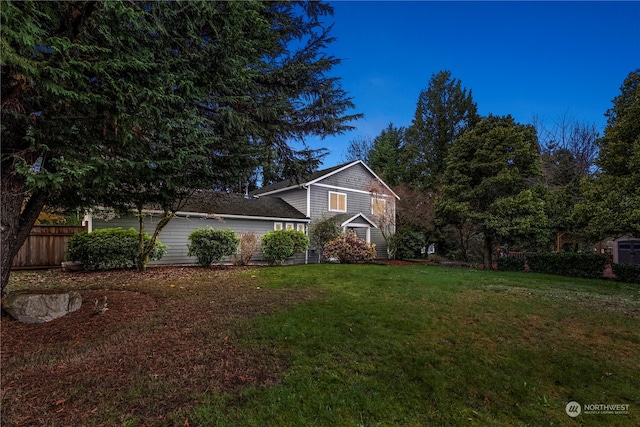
[167,338]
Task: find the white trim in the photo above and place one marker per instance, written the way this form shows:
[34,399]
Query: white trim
[346,222]
[342,188]
[289,226]
[338,202]
[230,216]
[300,227]
[275,226]
[308,188]
[315,181]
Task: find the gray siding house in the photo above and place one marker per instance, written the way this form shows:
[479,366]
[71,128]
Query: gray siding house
[352,193]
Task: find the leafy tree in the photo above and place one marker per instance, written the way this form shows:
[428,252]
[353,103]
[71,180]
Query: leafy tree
[491,182]
[612,205]
[444,112]
[127,104]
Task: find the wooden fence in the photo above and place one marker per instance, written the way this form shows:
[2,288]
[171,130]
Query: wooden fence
[45,247]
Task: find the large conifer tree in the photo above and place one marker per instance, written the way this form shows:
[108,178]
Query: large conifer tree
[129,103]
[444,111]
[612,205]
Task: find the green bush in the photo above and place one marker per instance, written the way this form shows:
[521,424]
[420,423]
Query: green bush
[281,244]
[323,231]
[572,264]
[210,245]
[350,249]
[409,243]
[629,273]
[110,248]
[510,263]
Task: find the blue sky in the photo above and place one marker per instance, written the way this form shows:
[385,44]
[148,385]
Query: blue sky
[543,58]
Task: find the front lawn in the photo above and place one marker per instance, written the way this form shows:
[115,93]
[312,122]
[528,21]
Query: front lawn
[332,345]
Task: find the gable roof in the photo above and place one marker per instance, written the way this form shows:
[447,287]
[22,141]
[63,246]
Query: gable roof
[221,204]
[315,177]
[347,218]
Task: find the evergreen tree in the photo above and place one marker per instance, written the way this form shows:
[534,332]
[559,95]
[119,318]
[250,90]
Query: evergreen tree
[386,155]
[612,197]
[444,112]
[131,103]
[491,181]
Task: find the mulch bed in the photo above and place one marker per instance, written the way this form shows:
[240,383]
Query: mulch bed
[148,358]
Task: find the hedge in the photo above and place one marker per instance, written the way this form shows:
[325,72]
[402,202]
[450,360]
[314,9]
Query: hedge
[573,264]
[629,273]
[110,248]
[510,263]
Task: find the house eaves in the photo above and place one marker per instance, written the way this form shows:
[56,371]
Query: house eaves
[315,178]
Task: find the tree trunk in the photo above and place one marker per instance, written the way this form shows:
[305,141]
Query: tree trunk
[488,252]
[145,249]
[16,221]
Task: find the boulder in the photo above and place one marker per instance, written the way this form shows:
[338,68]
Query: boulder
[40,308]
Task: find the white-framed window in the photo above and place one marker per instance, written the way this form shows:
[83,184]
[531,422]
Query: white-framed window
[290,226]
[277,226]
[378,206]
[300,227]
[337,202]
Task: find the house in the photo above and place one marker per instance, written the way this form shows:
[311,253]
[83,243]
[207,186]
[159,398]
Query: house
[351,193]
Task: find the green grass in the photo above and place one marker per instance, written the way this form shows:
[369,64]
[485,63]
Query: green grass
[416,346]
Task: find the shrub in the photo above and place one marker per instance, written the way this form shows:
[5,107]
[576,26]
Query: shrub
[209,245]
[281,244]
[510,263]
[323,231]
[350,249]
[573,264]
[409,243]
[110,248]
[629,273]
[249,245]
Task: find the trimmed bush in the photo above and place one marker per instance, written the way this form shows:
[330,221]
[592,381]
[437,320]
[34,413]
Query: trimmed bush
[350,249]
[629,273]
[249,245]
[110,248]
[572,264]
[510,263]
[210,245]
[281,244]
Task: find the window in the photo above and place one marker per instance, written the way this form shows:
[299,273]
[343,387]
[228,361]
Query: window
[337,202]
[378,206]
[289,226]
[277,226]
[300,228]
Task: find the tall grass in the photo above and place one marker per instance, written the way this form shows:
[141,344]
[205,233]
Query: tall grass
[422,346]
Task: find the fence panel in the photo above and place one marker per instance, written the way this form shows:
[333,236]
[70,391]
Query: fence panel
[45,246]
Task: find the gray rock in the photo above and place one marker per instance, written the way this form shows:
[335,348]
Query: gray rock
[40,308]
